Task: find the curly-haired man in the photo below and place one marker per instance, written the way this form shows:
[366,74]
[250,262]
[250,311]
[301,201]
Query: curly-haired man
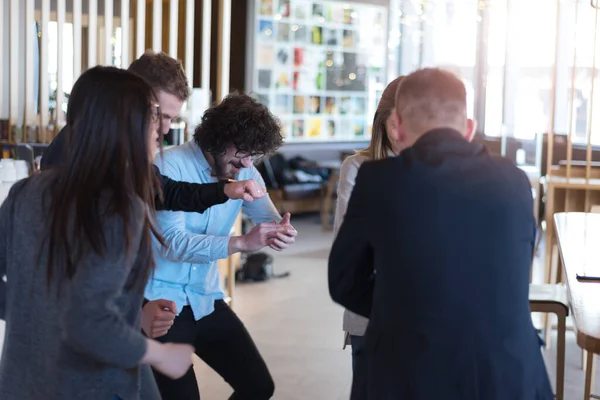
[230,137]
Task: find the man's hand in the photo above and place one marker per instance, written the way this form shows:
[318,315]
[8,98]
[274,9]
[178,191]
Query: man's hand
[283,239]
[260,236]
[158,317]
[246,190]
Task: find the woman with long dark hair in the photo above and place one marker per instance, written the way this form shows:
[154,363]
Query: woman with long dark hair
[76,249]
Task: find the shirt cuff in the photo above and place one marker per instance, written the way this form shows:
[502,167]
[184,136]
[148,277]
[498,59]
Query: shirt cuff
[219,248]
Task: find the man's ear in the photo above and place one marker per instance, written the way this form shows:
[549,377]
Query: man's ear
[471,129]
[400,132]
[397,135]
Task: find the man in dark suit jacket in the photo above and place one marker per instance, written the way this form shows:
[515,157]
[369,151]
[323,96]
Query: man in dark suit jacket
[436,248]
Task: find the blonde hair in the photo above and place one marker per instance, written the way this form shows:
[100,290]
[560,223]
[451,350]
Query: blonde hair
[431,98]
[380,145]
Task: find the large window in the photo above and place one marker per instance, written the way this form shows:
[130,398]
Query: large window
[577,99]
[517,41]
[68,54]
[439,33]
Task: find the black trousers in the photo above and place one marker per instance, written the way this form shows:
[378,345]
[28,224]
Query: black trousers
[359,368]
[221,341]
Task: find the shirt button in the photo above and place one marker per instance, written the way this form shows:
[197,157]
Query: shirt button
[194,268]
[182,295]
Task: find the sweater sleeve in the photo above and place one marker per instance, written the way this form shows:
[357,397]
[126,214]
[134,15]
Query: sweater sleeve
[189,197]
[348,173]
[92,319]
[7,212]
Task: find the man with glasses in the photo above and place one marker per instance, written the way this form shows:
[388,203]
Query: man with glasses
[166,76]
[230,138]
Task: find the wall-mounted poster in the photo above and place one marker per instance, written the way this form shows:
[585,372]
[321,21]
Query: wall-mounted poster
[313,127]
[282,104]
[266,7]
[284,8]
[298,128]
[320,66]
[265,30]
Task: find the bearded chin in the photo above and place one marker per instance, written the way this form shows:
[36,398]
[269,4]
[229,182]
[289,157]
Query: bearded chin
[220,169]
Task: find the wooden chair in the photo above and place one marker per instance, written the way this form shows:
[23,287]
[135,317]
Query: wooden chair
[294,198]
[590,373]
[552,298]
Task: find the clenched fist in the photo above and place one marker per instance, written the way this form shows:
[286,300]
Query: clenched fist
[158,317]
[247,190]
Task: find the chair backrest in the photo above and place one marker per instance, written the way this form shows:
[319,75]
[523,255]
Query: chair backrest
[272,170]
[346,154]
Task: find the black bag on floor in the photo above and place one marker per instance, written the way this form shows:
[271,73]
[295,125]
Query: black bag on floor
[257,268]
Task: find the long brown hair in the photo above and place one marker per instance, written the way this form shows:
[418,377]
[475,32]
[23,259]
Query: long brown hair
[380,144]
[108,122]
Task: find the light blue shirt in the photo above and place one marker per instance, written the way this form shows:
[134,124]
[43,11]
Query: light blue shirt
[186,270]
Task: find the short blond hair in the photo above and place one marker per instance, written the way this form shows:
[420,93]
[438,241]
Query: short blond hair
[162,73]
[431,98]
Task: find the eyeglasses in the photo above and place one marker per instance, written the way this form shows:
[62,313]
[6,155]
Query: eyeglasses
[241,155]
[155,112]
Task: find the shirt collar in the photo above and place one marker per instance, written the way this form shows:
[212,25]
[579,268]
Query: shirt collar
[200,156]
[446,140]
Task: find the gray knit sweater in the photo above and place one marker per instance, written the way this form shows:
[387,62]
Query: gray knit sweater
[84,343]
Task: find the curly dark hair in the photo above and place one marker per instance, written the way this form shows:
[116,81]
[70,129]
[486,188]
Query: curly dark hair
[241,121]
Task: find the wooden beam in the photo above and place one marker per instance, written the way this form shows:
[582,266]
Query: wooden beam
[173,27]
[140,46]
[157,25]
[108,32]
[93,33]
[189,40]
[223,49]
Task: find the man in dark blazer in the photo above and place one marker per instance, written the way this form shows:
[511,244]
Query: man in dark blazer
[436,248]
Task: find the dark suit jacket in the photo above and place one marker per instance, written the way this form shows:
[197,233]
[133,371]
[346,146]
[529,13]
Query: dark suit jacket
[177,196]
[450,232]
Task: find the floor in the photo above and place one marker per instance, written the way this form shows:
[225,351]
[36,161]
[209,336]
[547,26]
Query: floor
[298,329]
[295,325]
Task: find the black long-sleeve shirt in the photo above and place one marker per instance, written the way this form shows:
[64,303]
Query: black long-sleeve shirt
[177,196]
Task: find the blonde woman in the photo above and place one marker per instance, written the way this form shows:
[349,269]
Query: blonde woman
[384,143]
